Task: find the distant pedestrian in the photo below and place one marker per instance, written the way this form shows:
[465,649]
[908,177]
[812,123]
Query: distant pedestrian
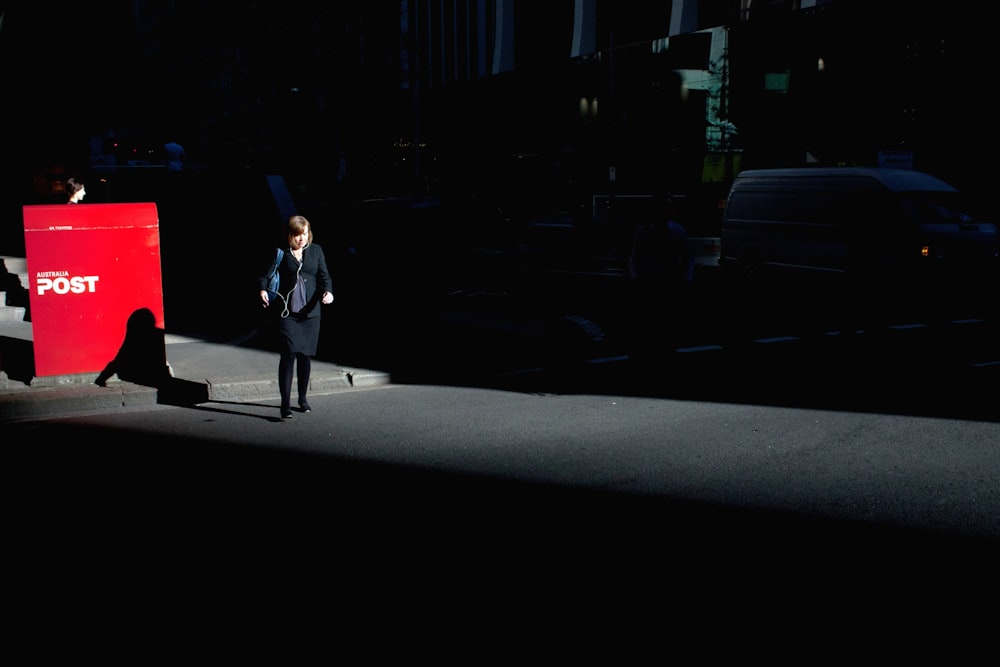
[661,274]
[174,156]
[75,190]
[305,283]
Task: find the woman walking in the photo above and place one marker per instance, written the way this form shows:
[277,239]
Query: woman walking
[304,284]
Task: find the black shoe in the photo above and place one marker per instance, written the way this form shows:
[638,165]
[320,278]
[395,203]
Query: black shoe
[304,405]
[286,413]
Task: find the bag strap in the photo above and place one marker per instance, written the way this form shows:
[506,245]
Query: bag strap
[277,263]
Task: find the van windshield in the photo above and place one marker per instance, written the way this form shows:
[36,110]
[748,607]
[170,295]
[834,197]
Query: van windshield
[938,208]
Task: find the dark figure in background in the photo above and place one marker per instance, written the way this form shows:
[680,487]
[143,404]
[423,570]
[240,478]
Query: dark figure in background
[75,190]
[174,156]
[661,273]
[142,358]
[304,284]
[172,196]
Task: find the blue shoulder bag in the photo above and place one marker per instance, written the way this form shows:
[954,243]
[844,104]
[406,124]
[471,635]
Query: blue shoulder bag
[274,281]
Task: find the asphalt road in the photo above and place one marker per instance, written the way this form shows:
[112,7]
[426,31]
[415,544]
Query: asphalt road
[483,497]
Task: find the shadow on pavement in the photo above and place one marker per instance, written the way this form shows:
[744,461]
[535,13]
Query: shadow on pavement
[199,513]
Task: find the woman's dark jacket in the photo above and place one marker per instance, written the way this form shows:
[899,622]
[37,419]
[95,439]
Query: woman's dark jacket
[314,273]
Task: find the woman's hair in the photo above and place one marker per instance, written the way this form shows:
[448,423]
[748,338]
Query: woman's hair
[73,186]
[298,224]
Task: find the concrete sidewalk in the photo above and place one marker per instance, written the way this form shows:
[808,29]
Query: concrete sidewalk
[203,371]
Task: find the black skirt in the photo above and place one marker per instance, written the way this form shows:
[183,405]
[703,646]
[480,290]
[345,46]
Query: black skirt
[298,335]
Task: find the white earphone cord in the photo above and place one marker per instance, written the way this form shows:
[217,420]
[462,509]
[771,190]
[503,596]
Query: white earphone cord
[284,311]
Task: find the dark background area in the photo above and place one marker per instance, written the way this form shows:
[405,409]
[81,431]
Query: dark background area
[67,69]
[304,91]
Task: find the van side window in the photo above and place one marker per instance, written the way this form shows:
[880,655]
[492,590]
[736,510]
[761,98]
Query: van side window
[836,208]
[749,205]
[799,207]
[766,205]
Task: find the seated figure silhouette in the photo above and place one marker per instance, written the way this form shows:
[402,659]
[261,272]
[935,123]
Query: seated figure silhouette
[142,358]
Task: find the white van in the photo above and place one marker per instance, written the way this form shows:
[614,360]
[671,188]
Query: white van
[878,226]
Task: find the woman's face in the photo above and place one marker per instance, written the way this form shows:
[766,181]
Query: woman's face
[299,240]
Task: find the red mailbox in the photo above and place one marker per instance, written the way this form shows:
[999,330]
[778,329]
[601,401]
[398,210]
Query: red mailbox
[90,267]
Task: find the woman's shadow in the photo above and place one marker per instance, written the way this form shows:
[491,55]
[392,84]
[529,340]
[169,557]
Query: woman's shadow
[142,359]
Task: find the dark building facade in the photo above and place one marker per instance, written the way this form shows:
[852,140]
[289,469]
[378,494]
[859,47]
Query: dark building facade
[540,104]
[552,104]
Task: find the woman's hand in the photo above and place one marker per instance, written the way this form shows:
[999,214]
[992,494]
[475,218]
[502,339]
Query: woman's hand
[263,297]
